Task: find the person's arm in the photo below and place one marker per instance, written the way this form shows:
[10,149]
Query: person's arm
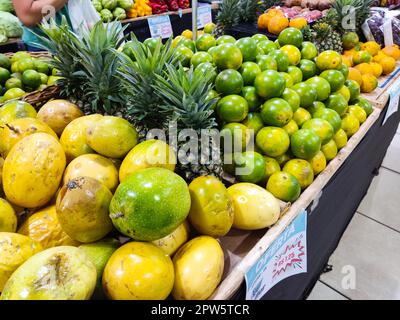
[30,11]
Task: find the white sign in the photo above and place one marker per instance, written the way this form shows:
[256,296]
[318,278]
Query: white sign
[160,26]
[287,256]
[393,102]
[203,15]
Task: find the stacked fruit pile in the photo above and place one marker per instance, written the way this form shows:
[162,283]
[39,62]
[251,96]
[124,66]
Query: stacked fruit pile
[367,61]
[113,9]
[21,74]
[300,105]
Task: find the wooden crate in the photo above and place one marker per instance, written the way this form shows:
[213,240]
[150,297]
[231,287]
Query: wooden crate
[244,248]
[380,96]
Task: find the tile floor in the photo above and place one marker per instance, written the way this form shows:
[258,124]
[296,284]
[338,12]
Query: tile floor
[366,264]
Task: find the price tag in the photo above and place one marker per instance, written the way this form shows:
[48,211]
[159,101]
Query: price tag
[160,26]
[394,101]
[287,256]
[203,15]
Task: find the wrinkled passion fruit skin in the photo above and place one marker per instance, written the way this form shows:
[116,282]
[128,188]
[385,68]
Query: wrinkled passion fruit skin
[60,273]
[82,209]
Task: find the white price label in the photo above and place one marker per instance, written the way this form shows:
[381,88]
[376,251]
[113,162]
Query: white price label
[287,256]
[204,16]
[160,27]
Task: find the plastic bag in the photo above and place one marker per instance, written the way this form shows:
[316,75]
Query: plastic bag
[82,14]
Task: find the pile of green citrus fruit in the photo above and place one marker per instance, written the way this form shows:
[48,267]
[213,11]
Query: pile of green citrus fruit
[300,104]
[23,73]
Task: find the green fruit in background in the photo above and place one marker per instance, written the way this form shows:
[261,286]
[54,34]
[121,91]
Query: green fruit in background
[291,36]
[259,37]
[284,186]
[232,108]
[273,141]
[43,78]
[249,71]
[200,57]
[354,89]
[31,78]
[5,62]
[225,39]
[253,100]
[350,39]
[267,46]
[254,122]
[305,144]
[248,47]
[205,42]
[99,253]
[308,68]
[59,273]
[295,73]
[152,43]
[276,112]
[184,55]
[344,69]
[337,103]
[308,50]
[266,62]
[228,56]
[42,67]
[185,42]
[329,115]
[213,95]
[228,82]
[26,64]
[365,104]
[321,127]
[4,75]
[335,79]
[281,59]
[307,94]
[16,75]
[15,67]
[253,165]
[150,204]
[109,4]
[13,83]
[13,93]
[292,98]
[207,67]
[269,84]
[20,55]
[209,28]
[321,86]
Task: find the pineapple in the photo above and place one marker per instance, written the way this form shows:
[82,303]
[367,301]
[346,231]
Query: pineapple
[185,96]
[325,38]
[362,11]
[248,10]
[228,16]
[87,64]
[138,76]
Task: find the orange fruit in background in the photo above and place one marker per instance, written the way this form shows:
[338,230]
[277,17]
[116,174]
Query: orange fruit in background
[379,56]
[277,24]
[355,75]
[347,60]
[372,47]
[365,68]
[263,21]
[349,52]
[392,51]
[187,34]
[388,65]
[377,69]
[369,83]
[298,23]
[361,56]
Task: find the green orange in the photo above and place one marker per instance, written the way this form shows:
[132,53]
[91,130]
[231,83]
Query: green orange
[305,143]
[318,163]
[248,47]
[13,93]
[249,71]
[329,150]
[229,81]
[228,56]
[291,127]
[358,112]
[293,54]
[292,97]
[354,89]
[308,50]
[254,122]
[328,59]
[232,108]
[31,78]
[271,166]
[207,67]
[321,127]
[259,37]
[284,158]
[184,55]
[329,115]
[288,79]
[337,102]
[335,79]
[237,134]
[350,39]
[284,186]
[301,170]
[269,84]
[365,104]
[266,62]
[200,57]
[291,36]
[315,106]
[273,141]
[344,69]
[225,39]
[350,124]
[308,68]
[295,73]
[307,94]
[344,92]
[267,46]
[276,112]
[321,86]
[253,100]
[281,58]
[340,138]
[205,42]
[300,116]
[252,165]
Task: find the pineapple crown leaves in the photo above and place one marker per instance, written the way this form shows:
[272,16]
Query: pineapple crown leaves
[185,95]
[137,79]
[229,13]
[362,10]
[248,10]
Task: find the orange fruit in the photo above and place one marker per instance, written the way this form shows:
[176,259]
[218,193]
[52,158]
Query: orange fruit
[392,51]
[365,68]
[361,56]
[350,52]
[277,24]
[388,65]
[371,47]
[263,21]
[347,60]
[187,34]
[379,56]
[293,53]
[328,60]
[377,69]
[355,75]
[369,83]
[298,23]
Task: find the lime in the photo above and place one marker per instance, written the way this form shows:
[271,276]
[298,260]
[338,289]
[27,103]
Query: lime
[336,102]
[321,127]
[273,141]
[232,108]
[329,115]
[335,79]
[228,82]
[13,83]
[291,36]
[248,47]
[276,112]
[249,71]
[308,50]
[250,167]
[266,62]
[228,56]
[253,100]
[307,94]
[31,78]
[205,42]
[281,59]
[305,143]
[5,62]
[225,39]
[200,57]
[254,122]
[296,74]
[4,75]
[267,46]
[292,98]
[284,186]
[308,68]
[321,86]
[269,84]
